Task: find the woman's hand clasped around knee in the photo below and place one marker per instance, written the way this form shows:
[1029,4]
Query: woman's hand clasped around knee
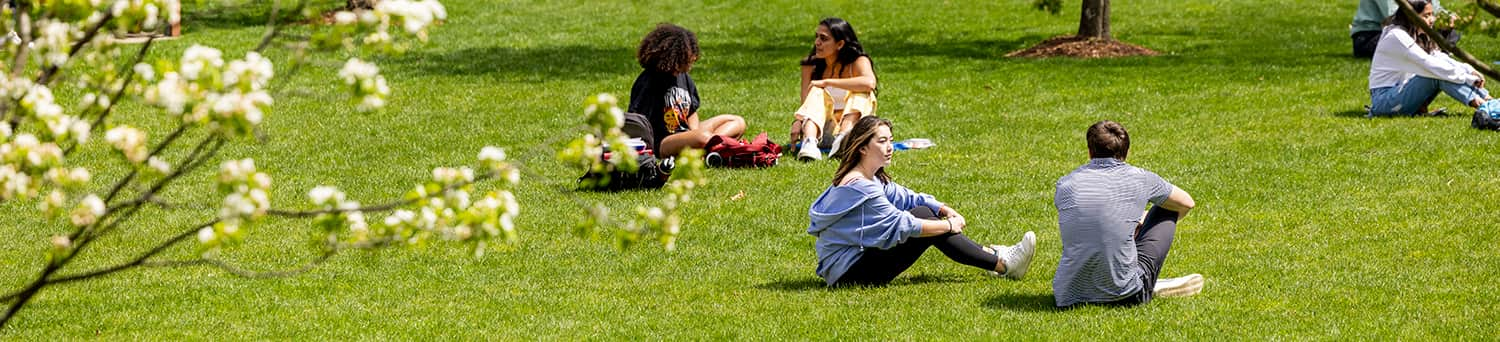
[956,224]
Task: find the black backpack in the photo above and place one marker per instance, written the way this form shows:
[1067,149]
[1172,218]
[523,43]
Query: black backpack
[1484,121]
[650,172]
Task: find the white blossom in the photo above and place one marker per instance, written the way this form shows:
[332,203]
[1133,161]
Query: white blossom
[53,41]
[253,71]
[128,140]
[61,242]
[355,70]
[414,16]
[171,93]
[378,38]
[357,222]
[344,17]
[507,224]
[261,180]
[235,171]
[53,201]
[508,200]
[159,165]
[491,154]
[80,131]
[145,71]
[78,175]
[17,184]
[198,58]
[88,211]
[152,12]
[323,194]
[206,235]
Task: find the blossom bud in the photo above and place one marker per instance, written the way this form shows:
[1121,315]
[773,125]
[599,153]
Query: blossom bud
[206,235]
[345,17]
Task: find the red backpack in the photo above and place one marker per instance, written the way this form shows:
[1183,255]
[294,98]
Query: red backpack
[724,151]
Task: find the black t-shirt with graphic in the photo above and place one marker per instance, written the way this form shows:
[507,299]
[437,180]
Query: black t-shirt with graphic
[654,95]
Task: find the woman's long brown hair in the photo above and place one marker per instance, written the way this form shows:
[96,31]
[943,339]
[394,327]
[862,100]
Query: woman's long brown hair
[851,150]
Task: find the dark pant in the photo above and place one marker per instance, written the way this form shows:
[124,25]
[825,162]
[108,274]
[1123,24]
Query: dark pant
[1152,242]
[879,266]
[1366,41]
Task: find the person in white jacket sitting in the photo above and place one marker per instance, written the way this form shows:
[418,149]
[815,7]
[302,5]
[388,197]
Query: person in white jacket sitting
[1408,70]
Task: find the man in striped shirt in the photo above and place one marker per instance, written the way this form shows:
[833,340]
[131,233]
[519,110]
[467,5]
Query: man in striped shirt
[1112,254]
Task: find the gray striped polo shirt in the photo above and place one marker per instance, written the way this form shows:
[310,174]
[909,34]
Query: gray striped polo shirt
[1098,207]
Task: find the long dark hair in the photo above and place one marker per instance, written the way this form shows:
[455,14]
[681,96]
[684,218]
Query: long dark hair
[852,50]
[1400,20]
[851,149]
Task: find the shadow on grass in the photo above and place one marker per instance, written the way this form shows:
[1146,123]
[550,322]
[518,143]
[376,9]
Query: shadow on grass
[957,49]
[247,14]
[1351,114]
[815,284]
[1029,302]
[536,64]
[794,285]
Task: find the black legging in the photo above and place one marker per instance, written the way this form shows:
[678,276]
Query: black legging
[879,266]
[1152,243]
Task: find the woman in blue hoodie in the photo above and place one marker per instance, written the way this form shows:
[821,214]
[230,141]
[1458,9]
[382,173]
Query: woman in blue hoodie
[870,229]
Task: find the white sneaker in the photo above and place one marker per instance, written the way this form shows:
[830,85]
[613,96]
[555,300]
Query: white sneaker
[1017,259]
[1178,287]
[837,139]
[809,151]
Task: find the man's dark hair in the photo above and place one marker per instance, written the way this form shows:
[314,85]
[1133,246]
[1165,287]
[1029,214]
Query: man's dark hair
[668,48]
[1107,139]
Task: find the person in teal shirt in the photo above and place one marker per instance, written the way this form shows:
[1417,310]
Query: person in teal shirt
[1370,18]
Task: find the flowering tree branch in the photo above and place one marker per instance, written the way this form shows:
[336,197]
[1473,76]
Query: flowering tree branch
[139,261]
[1411,14]
[223,100]
[120,93]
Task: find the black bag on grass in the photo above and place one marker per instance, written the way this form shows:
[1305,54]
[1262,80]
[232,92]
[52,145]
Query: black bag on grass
[650,173]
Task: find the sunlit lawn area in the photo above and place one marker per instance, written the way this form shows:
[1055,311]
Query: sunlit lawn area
[1313,222]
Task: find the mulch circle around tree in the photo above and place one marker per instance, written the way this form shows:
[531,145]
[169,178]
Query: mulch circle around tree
[1082,47]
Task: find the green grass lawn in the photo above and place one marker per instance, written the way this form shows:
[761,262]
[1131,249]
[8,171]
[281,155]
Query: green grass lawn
[1313,222]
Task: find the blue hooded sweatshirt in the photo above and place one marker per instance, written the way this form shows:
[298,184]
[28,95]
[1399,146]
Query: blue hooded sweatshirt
[862,214]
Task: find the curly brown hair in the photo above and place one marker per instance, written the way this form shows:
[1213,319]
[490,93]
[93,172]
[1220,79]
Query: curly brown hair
[668,48]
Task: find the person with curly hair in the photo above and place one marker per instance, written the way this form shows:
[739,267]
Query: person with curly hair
[667,96]
[838,86]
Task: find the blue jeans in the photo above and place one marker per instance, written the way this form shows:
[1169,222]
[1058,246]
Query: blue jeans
[1417,93]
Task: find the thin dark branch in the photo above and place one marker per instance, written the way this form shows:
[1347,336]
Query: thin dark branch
[240,271]
[1411,15]
[116,99]
[23,25]
[186,233]
[46,77]
[374,208]
[120,185]
[1489,6]
[83,240]
[265,40]
[274,29]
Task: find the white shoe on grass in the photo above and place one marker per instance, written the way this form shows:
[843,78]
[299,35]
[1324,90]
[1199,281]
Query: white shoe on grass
[809,151]
[837,139]
[1178,287]
[1017,258]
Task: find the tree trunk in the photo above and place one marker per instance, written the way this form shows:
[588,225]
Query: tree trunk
[1094,22]
[360,4]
